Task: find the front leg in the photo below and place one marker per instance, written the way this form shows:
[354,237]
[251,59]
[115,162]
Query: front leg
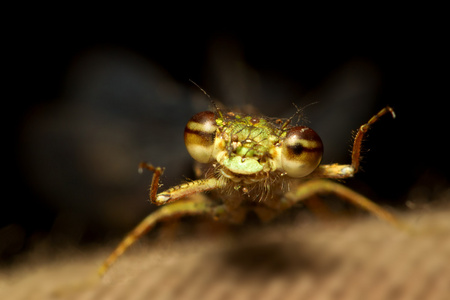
[179,191]
[187,199]
[337,171]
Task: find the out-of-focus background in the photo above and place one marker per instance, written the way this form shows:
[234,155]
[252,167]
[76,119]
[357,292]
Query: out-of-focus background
[86,100]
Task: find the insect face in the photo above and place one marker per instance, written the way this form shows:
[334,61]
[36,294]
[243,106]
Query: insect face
[245,145]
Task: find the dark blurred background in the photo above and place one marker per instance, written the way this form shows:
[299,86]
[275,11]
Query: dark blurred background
[87,99]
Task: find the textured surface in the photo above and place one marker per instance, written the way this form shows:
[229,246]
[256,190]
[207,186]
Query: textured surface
[351,259]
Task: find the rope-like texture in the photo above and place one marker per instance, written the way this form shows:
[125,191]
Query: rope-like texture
[351,259]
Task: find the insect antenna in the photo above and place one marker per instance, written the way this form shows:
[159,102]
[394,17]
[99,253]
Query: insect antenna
[288,121]
[210,99]
[298,112]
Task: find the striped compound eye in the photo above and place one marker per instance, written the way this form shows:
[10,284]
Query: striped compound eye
[301,152]
[199,136]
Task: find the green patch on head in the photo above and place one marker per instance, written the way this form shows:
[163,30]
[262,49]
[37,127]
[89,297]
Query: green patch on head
[244,166]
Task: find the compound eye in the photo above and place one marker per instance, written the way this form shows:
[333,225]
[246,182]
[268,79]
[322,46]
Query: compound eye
[199,136]
[301,152]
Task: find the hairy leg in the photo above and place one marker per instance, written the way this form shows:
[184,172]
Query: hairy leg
[337,171]
[356,152]
[177,192]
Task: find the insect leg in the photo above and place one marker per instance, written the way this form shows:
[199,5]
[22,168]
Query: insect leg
[337,171]
[157,172]
[197,205]
[179,191]
[356,152]
[321,186]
